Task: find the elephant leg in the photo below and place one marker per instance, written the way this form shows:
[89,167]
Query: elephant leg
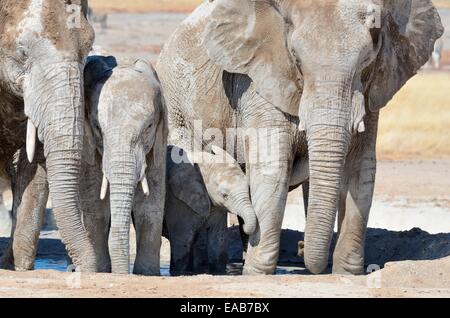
[269,186]
[148,217]
[182,226]
[199,260]
[30,192]
[181,248]
[217,242]
[244,239]
[359,183]
[148,225]
[96,215]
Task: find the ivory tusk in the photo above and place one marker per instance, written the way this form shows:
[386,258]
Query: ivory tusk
[31,140]
[145,187]
[104,188]
[361,127]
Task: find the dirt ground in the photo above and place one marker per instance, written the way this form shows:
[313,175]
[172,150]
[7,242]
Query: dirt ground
[405,279]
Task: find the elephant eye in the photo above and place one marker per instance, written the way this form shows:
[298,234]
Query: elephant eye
[297,59]
[225,196]
[22,53]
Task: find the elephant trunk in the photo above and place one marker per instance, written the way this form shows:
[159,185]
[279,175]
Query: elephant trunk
[123,182]
[329,137]
[58,112]
[244,209]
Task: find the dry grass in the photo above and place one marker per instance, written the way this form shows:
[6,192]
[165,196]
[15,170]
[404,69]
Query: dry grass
[417,121]
[170,5]
[442,3]
[145,5]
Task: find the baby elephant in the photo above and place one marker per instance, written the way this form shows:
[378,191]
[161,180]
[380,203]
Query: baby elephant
[126,111]
[198,199]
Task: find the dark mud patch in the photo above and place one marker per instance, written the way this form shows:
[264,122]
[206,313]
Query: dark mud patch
[382,246]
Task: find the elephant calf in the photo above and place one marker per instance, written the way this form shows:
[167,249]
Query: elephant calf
[198,199]
[125,145]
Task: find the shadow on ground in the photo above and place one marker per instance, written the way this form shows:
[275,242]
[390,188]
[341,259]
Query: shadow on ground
[382,246]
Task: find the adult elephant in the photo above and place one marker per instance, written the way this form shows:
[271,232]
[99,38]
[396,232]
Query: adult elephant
[317,72]
[123,147]
[43,46]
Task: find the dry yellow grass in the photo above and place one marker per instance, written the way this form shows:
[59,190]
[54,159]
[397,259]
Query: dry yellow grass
[442,3]
[170,5]
[417,121]
[145,5]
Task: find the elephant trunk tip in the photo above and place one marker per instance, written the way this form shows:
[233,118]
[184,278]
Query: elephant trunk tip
[316,265]
[250,222]
[249,229]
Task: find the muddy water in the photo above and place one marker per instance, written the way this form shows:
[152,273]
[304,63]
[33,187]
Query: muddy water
[62,265]
[59,265]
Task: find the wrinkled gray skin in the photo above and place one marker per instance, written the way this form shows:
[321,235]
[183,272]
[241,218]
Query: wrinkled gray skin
[129,119]
[125,140]
[318,72]
[199,200]
[41,81]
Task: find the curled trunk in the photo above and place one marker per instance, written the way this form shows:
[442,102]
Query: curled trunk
[244,209]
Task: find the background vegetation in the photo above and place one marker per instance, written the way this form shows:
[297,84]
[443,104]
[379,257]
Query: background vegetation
[169,5]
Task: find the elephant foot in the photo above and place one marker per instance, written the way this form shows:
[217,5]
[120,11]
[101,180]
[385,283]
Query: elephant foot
[7,263]
[104,267]
[146,272]
[250,270]
[254,272]
[337,270]
[301,249]
[24,265]
[86,267]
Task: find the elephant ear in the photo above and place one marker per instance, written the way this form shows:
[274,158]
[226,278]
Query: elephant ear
[410,29]
[98,69]
[90,147]
[162,132]
[186,184]
[250,37]
[84,7]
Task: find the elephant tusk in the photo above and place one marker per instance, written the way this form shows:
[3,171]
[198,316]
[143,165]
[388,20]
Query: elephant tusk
[104,188]
[31,140]
[145,187]
[361,127]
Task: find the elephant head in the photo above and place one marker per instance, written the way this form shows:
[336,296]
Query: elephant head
[330,63]
[43,46]
[228,187]
[219,179]
[127,112]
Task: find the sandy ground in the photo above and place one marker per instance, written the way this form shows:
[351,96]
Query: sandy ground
[407,194]
[137,35]
[406,279]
